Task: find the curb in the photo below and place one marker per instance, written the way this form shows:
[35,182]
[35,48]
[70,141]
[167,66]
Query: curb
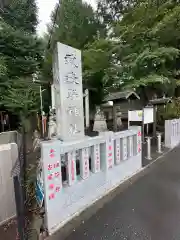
[83,216]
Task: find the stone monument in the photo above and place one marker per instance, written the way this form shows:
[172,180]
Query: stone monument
[99,121]
[119,121]
[67,80]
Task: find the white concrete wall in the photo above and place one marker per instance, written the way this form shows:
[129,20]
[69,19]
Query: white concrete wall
[172,133]
[8,157]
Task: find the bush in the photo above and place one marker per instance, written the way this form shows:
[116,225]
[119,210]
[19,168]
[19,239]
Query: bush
[170,111]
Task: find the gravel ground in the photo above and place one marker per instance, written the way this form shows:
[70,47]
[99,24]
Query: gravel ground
[8,231]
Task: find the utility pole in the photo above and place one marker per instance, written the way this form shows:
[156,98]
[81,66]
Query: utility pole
[41,102]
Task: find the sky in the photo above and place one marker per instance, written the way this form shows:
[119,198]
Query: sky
[45,9]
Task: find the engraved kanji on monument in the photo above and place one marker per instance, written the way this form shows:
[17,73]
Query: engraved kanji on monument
[67,78]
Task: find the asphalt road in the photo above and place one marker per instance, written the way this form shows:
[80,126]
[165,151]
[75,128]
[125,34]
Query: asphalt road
[147,210]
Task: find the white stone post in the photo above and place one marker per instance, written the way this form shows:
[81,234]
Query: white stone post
[87,107]
[130,140]
[159,146]
[148,148]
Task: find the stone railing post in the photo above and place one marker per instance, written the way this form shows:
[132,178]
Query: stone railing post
[148,140]
[159,145]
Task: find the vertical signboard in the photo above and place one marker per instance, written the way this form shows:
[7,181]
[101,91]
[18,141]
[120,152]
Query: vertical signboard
[109,151]
[117,151]
[95,158]
[67,78]
[71,168]
[148,115]
[125,148]
[139,142]
[84,163]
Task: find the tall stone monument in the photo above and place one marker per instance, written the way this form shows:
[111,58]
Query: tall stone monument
[67,80]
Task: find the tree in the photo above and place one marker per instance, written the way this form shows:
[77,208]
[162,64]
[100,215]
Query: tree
[21,53]
[111,11]
[3,68]
[21,14]
[73,23]
[22,96]
[76,23]
[99,70]
[148,49]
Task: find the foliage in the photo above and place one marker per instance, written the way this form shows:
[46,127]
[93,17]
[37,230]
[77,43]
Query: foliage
[113,10]
[79,26]
[148,53]
[20,56]
[22,52]
[21,14]
[168,112]
[126,44]
[73,23]
[99,70]
[3,68]
[76,24]
[22,96]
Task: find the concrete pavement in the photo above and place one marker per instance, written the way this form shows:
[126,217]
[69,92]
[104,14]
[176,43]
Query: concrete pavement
[149,209]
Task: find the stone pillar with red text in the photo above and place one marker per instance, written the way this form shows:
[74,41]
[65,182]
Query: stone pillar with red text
[95,158]
[117,151]
[84,163]
[71,168]
[139,141]
[50,153]
[124,149]
[107,151]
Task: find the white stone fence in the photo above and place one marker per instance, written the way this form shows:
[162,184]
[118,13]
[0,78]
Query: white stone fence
[102,163]
[172,133]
